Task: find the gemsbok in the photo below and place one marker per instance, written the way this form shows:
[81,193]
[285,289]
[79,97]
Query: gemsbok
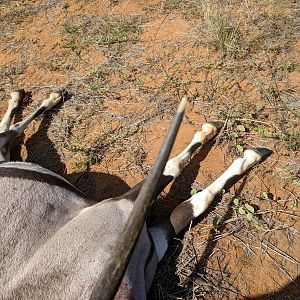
[55,241]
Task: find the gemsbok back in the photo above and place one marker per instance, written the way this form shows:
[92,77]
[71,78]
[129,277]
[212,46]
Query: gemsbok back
[55,241]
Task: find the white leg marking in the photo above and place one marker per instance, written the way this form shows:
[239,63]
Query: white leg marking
[198,203]
[47,104]
[53,100]
[202,200]
[13,103]
[175,165]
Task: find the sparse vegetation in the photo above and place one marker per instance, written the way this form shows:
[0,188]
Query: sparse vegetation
[244,209]
[222,34]
[11,71]
[190,9]
[70,44]
[125,68]
[115,29]
[70,28]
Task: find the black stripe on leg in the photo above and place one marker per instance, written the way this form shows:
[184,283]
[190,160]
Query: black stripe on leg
[194,147]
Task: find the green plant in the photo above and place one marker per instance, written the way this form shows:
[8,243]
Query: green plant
[17,15]
[51,65]
[70,44]
[295,200]
[193,192]
[268,196]
[216,222]
[69,27]
[11,70]
[189,9]
[260,107]
[245,209]
[221,33]
[291,174]
[116,29]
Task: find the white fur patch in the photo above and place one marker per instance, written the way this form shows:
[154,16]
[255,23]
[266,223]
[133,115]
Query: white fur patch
[175,165]
[200,202]
[82,211]
[172,167]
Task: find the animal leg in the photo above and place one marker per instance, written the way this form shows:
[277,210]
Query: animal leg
[13,104]
[198,203]
[190,209]
[7,135]
[47,104]
[175,165]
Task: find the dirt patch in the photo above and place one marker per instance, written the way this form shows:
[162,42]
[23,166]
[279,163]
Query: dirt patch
[125,65]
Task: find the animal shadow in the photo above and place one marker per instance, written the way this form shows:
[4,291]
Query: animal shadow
[42,151]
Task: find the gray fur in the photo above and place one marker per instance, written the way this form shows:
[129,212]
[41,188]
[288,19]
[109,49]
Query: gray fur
[53,245]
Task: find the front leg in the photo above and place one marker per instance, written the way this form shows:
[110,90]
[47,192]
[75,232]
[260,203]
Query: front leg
[13,104]
[54,99]
[8,134]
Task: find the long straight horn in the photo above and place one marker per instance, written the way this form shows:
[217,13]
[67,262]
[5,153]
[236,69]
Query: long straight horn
[115,267]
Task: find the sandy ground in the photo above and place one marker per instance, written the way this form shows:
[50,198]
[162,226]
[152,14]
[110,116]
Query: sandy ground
[124,84]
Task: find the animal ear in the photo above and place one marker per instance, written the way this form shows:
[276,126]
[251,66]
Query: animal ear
[6,137]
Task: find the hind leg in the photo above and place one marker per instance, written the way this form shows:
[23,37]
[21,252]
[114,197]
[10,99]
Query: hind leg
[7,135]
[175,165]
[190,209]
[13,104]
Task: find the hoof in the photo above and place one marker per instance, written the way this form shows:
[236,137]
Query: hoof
[54,99]
[257,154]
[211,128]
[16,98]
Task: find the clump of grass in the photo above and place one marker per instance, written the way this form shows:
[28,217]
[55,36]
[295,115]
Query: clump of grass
[69,27]
[89,156]
[291,174]
[190,9]
[234,135]
[51,65]
[220,32]
[290,137]
[295,200]
[116,29]
[11,70]
[97,80]
[275,31]
[16,15]
[70,44]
